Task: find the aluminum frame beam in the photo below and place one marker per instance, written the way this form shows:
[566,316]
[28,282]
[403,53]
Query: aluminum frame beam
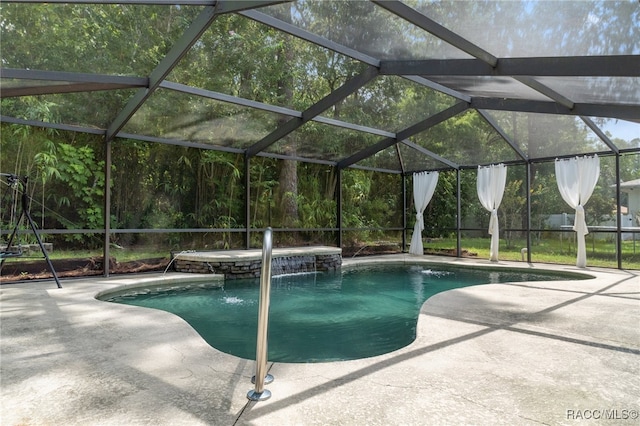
[66,82]
[222,97]
[231,6]
[310,37]
[404,134]
[400,160]
[416,18]
[430,154]
[171,59]
[349,87]
[485,64]
[562,66]
[593,126]
[53,89]
[375,169]
[178,142]
[269,108]
[70,77]
[547,91]
[225,6]
[438,87]
[297,158]
[625,112]
[493,123]
[57,126]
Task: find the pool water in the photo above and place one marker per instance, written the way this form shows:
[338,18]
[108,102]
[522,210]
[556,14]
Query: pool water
[324,316]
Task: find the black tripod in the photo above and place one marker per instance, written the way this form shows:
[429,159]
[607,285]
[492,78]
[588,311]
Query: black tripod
[14,180]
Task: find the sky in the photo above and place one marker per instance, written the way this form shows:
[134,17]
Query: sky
[622,129]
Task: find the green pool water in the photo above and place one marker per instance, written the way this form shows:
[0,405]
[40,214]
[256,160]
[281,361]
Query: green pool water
[318,317]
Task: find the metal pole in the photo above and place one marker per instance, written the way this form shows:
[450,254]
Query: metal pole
[528,171]
[619,218]
[339,206]
[458,215]
[107,209]
[261,378]
[247,201]
[404,213]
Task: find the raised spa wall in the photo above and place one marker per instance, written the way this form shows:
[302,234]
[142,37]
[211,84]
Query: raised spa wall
[235,264]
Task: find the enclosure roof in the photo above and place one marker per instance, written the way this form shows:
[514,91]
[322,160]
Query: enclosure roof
[397,86]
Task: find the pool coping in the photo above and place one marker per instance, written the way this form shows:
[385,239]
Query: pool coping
[255,254]
[164,281]
[177,281]
[239,264]
[68,358]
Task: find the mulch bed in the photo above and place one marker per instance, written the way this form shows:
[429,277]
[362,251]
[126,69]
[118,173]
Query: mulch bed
[66,268]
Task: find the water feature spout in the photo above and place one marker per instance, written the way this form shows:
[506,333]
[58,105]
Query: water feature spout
[359,250]
[293,265]
[175,257]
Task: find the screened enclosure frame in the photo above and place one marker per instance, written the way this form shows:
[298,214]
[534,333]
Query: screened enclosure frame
[472,78]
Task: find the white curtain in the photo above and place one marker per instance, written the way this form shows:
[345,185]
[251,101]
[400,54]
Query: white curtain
[490,183]
[577,178]
[424,184]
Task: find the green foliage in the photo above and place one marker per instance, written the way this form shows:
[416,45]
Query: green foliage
[84,177]
[511,208]
[316,201]
[158,186]
[370,200]
[31,152]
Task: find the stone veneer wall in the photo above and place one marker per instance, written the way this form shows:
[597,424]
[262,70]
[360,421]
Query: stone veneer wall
[236,269]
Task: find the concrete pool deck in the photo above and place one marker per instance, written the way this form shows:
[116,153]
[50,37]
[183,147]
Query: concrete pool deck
[561,352]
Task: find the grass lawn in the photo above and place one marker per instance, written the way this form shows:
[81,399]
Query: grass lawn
[600,252]
[551,250]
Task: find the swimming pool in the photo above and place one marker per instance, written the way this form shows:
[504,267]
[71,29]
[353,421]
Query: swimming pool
[317,317]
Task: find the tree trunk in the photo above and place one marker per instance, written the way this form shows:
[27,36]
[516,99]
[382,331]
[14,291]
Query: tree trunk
[289,193]
[288,179]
